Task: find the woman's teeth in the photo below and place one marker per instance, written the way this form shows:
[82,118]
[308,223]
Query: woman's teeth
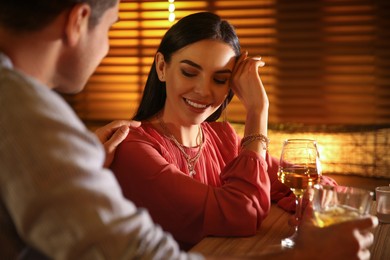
[196,105]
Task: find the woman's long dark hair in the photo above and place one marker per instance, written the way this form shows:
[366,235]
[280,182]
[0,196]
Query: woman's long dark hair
[188,30]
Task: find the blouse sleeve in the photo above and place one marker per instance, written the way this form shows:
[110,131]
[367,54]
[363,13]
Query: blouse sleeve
[280,193]
[187,208]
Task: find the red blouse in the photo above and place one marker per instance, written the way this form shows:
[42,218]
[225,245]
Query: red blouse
[229,195]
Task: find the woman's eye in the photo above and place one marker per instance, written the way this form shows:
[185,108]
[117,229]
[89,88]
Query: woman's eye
[220,81]
[188,74]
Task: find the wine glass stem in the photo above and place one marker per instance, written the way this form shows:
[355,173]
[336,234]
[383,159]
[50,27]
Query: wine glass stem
[290,241]
[298,209]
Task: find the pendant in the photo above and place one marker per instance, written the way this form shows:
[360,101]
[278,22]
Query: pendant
[191,170]
[192,173]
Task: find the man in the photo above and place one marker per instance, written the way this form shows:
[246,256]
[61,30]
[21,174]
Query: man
[56,194]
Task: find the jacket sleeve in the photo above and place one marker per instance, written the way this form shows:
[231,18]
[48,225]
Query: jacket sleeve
[55,191]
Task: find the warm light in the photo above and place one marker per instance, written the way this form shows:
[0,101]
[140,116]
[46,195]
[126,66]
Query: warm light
[171,9]
[172,17]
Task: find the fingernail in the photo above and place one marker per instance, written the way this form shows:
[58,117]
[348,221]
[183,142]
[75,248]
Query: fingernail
[375,221]
[124,129]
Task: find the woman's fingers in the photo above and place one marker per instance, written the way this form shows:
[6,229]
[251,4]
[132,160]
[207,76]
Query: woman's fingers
[238,65]
[246,83]
[246,65]
[249,63]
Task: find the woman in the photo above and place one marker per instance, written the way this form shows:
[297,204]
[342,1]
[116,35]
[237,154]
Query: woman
[190,172]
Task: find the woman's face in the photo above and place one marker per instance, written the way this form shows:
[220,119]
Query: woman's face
[197,80]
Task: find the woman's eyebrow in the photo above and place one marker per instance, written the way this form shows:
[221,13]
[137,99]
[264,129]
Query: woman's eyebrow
[193,64]
[224,71]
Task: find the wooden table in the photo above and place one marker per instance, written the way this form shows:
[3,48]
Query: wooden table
[273,229]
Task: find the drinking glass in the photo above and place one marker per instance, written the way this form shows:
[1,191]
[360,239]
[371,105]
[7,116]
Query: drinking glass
[299,169]
[335,204]
[382,195]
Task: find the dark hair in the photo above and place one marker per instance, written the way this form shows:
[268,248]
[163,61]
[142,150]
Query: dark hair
[30,15]
[188,30]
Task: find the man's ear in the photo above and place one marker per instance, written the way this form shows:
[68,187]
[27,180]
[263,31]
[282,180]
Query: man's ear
[160,66]
[77,23]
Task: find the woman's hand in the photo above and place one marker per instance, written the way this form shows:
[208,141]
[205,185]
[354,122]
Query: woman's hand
[246,83]
[112,134]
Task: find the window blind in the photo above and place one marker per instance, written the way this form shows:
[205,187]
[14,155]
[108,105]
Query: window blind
[327,61]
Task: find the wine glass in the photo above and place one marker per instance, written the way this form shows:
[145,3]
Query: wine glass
[299,169]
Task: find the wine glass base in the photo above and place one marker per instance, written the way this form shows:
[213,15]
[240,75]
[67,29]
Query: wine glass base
[287,243]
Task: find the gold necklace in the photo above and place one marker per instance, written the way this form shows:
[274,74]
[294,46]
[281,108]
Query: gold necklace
[190,161]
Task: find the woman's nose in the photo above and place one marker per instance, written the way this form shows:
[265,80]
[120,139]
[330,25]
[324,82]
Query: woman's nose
[203,88]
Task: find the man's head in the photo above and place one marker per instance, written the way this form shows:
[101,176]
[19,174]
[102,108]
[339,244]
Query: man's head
[30,15]
[69,38]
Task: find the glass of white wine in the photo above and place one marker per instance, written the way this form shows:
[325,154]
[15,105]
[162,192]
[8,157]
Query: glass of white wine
[299,169]
[335,204]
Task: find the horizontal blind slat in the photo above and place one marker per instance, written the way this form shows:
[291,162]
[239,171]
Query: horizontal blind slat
[327,61]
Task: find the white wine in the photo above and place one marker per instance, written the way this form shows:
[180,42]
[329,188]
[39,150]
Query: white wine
[335,215]
[299,169]
[298,179]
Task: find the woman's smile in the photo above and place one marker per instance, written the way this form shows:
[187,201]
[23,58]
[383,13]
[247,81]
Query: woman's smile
[201,84]
[195,104]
